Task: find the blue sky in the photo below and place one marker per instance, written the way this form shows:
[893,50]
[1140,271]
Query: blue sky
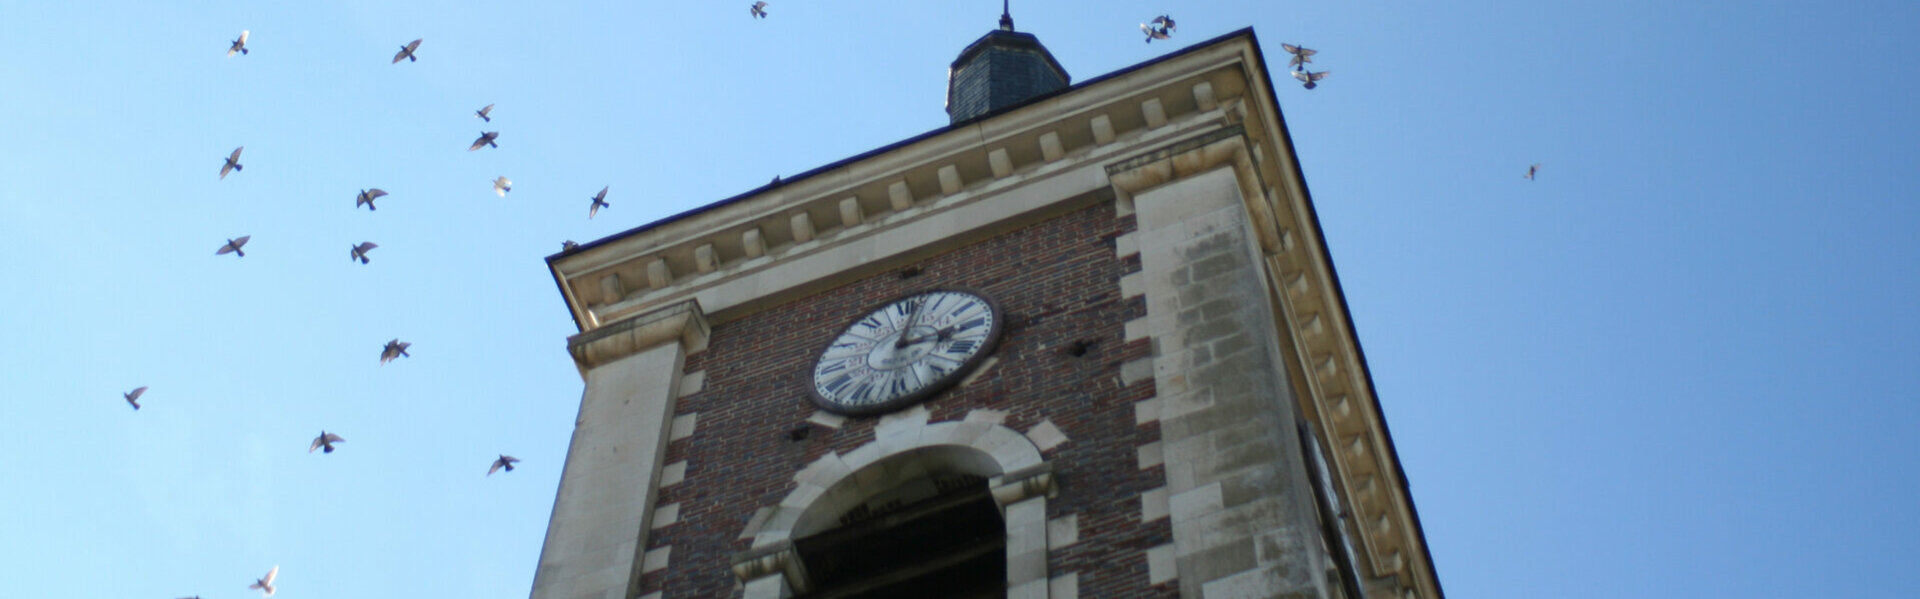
[1681,363]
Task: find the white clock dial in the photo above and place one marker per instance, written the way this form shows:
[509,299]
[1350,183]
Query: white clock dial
[905,351]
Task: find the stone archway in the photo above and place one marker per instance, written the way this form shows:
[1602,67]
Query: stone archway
[905,449]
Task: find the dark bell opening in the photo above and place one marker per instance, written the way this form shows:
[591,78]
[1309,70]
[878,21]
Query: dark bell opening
[951,545]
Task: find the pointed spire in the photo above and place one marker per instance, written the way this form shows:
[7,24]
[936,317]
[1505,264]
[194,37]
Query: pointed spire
[1006,17]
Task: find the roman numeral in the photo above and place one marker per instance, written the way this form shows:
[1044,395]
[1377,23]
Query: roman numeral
[962,346]
[833,385]
[860,392]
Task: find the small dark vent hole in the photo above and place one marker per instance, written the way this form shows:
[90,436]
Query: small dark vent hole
[910,272]
[1080,348]
[799,433]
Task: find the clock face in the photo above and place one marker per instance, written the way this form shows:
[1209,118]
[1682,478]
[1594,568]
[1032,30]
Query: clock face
[905,351]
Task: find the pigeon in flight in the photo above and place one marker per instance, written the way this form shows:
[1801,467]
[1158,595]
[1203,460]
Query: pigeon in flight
[486,139]
[1152,33]
[1161,27]
[360,251]
[759,10]
[234,245]
[1310,79]
[394,349]
[599,201]
[483,112]
[502,185]
[367,196]
[1531,171]
[133,397]
[233,163]
[239,45]
[265,583]
[1301,55]
[325,440]
[505,461]
[407,52]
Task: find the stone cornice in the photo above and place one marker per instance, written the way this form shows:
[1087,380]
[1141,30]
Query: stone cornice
[1340,402]
[681,322]
[1044,142]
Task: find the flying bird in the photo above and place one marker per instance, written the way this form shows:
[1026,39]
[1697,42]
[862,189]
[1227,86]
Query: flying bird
[234,245]
[360,251]
[1153,33]
[1310,79]
[367,196]
[325,440]
[759,10]
[394,349]
[502,185]
[482,113]
[407,52]
[599,201]
[505,461]
[1531,171]
[265,583]
[486,139]
[1161,27]
[239,45]
[133,397]
[233,163]
[1301,55]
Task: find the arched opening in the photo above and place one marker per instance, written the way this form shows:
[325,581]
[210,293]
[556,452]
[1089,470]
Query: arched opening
[949,510]
[919,524]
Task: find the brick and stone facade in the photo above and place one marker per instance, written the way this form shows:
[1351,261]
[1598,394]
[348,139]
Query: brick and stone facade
[1177,407]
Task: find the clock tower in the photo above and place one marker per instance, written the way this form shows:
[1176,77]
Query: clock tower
[1087,340]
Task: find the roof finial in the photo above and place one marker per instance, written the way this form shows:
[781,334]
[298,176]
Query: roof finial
[1006,17]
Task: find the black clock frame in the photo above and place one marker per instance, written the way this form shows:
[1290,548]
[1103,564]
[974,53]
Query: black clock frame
[937,387]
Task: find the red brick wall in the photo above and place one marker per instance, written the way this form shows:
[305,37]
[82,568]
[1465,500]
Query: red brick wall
[1058,281]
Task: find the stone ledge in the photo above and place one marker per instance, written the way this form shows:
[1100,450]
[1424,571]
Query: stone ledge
[682,321]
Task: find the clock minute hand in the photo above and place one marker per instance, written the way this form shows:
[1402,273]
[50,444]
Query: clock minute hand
[912,318]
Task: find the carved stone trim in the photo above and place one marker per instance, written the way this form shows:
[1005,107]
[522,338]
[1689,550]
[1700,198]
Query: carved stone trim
[1199,154]
[1023,484]
[776,559]
[683,322]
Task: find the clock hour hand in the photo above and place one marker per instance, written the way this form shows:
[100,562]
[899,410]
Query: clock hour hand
[940,335]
